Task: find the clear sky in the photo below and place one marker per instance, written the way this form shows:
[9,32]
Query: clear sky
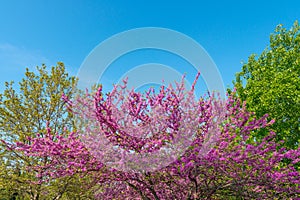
[33,32]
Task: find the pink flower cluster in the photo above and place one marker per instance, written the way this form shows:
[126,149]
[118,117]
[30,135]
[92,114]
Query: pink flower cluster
[168,145]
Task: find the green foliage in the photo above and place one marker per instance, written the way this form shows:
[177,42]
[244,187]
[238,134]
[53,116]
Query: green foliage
[270,83]
[26,113]
[38,102]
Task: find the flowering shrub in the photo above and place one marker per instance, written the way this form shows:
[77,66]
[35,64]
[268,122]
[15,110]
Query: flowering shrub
[168,146]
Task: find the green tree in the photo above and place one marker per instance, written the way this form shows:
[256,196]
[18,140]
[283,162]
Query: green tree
[270,83]
[26,113]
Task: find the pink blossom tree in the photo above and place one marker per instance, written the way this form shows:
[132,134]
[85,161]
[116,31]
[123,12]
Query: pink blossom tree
[168,145]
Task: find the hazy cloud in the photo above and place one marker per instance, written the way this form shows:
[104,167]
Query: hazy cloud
[14,60]
[13,57]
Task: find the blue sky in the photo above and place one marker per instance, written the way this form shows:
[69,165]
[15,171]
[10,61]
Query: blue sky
[34,32]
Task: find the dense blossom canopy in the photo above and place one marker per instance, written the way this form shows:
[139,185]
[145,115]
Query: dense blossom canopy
[218,162]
